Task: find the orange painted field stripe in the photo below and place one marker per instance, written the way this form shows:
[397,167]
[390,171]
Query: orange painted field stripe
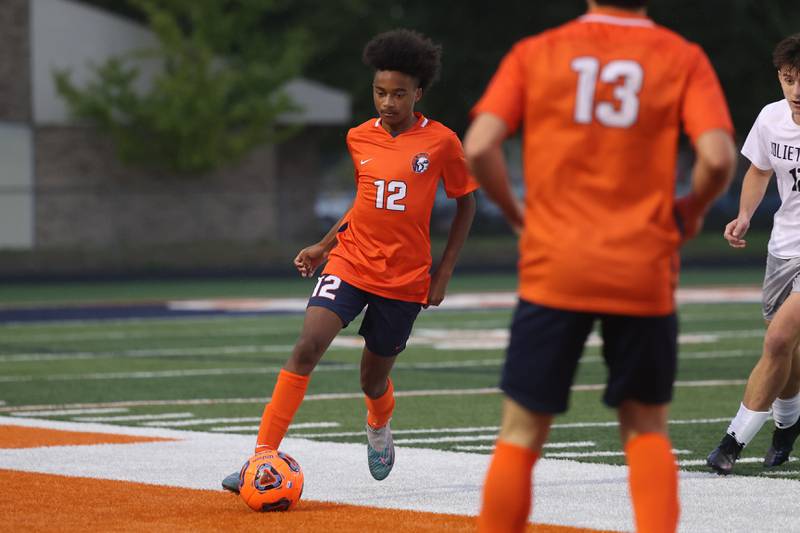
[27,437]
[42,502]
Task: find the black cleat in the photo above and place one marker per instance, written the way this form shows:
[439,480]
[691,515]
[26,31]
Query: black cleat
[724,456]
[782,444]
[231,483]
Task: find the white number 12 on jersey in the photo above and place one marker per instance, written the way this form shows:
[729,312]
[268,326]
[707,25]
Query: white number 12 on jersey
[626,74]
[397,190]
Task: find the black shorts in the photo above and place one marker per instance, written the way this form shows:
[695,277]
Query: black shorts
[387,323]
[546,344]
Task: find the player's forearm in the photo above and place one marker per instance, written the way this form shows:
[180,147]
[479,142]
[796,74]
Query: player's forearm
[483,148]
[490,170]
[713,170]
[754,187]
[459,230]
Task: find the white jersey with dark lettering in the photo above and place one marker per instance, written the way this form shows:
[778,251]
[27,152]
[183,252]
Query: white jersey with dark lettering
[774,143]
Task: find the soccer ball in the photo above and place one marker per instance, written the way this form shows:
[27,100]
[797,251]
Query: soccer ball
[271,481]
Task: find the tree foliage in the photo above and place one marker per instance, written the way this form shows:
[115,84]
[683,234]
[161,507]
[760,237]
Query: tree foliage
[738,36]
[215,93]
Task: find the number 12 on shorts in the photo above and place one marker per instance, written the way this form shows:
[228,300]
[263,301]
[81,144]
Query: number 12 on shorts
[326,285]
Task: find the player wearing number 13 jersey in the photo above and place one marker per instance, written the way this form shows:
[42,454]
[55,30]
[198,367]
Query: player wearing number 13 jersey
[379,252]
[602,101]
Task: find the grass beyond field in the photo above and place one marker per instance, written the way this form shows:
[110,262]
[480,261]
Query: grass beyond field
[213,373]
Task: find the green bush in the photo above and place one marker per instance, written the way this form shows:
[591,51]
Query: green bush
[216,94]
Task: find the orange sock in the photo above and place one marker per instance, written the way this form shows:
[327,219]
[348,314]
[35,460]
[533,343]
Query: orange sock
[507,492]
[379,410]
[653,483]
[288,394]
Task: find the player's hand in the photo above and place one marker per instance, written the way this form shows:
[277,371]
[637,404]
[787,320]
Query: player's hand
[309,259]
[691,217]
[735,231]
[436,293]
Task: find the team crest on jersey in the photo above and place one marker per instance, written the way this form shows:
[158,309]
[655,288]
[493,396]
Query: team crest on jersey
[420,163]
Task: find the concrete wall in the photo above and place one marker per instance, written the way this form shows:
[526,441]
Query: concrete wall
[16,186]
[87,198]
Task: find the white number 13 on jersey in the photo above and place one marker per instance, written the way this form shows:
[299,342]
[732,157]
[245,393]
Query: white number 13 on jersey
[627,76]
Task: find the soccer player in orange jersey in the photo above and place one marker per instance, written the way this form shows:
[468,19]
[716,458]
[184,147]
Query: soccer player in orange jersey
[378,255]
[602,101]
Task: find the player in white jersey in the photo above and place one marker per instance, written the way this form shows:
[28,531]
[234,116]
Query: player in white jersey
[773,147]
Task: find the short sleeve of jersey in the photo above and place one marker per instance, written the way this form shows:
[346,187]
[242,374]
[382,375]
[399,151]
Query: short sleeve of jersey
[455,174]
[704,106]
[505,95]
[754,149]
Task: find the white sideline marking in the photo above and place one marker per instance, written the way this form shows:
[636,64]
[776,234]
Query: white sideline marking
[199,422]
[462,301]
[160,352]
[702,462]
[274,369]
[333,396]
[223,429]
[438,338]
[436,440]
[131,418]
[606,453]
[171,331]
[781,473]
[64,412]
[483,448]
[568,493]
[400,432]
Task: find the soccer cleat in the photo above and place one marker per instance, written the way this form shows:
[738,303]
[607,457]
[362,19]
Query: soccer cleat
[231,483]
[724,456]
[782,444]
[380,463]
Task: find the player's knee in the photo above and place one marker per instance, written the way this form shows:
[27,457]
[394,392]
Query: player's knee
[779,346]
[307,351]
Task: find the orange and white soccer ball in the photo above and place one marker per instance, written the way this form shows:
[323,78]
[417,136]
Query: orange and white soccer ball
[271,481]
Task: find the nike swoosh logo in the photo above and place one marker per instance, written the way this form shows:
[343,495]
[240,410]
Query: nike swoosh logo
[365,161]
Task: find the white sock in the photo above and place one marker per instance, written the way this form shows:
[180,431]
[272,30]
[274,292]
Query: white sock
[379,438]
[746,424]
[786,412]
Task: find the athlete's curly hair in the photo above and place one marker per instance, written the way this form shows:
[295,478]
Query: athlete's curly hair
[787,53]
[405,51]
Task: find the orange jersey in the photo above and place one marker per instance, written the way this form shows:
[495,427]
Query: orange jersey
[385,245]
[603,99]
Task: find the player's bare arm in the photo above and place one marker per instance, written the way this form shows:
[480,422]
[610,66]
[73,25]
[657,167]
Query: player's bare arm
[754,187]
[483,148]
[711,176]
[311,257]
[459,229]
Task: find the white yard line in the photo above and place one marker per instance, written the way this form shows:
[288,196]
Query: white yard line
[131,418]
[603,453]
[400,432]
[741,460]
[65,412]
[331,396]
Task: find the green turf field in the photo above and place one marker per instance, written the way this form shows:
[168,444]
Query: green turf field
[213,373]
